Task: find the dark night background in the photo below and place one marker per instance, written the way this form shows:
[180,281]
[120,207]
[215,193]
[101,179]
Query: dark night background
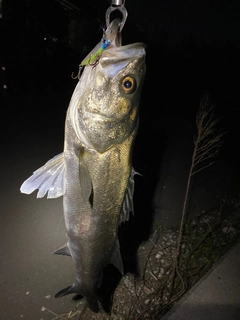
[192,47]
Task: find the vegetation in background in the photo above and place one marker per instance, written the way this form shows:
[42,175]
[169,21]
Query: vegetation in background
[206,146]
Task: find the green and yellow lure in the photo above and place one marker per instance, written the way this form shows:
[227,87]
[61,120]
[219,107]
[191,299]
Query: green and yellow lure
[93,57]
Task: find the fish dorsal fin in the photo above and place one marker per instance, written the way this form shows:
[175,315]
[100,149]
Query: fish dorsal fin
[116,259]
[64,250]
[127,206]
[85,179]
[48,179]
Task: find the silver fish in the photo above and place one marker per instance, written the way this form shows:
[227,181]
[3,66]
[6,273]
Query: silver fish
[94,174]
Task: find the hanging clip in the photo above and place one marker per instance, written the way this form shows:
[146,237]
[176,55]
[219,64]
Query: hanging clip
[117,5]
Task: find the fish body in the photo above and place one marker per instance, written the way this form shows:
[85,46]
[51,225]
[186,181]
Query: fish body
[94,173]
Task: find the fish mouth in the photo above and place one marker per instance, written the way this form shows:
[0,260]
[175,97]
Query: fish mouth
[127,46]
[127,52]
[99,116]
[130,46]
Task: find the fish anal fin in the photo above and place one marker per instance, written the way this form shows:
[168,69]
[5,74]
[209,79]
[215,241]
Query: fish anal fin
[64,250]
[116,259]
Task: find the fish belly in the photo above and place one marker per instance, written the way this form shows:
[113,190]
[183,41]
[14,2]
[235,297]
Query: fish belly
[92,225]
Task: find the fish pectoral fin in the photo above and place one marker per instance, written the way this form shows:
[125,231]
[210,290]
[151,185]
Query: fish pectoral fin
[86,183]
[116,259]
[48,179]
[64,250]
[127,205]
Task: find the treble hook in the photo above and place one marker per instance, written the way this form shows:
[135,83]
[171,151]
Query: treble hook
[117,5]
[78,74]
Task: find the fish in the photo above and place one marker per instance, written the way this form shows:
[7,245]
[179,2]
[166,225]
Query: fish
[94,173]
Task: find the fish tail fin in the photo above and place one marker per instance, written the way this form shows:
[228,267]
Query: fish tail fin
[116,258]
[92,301]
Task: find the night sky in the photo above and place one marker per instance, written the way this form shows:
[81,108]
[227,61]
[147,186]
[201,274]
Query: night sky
[189,43]
[192,47]
[209,22]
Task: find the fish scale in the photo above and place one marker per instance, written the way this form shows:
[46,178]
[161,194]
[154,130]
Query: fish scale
[94,174]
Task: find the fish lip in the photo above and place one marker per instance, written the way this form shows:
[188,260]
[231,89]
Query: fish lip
[135,45]
[99,116]
[127,52]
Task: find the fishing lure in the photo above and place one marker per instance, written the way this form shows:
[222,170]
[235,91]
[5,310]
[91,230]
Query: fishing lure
[93,57]
[109,36]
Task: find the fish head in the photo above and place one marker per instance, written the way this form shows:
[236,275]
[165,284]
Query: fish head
[108,107]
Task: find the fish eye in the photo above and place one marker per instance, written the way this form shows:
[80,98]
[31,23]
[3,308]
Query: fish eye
[128,84]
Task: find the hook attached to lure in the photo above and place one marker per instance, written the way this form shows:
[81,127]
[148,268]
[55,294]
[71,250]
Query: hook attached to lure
[113,29]
[93,57]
